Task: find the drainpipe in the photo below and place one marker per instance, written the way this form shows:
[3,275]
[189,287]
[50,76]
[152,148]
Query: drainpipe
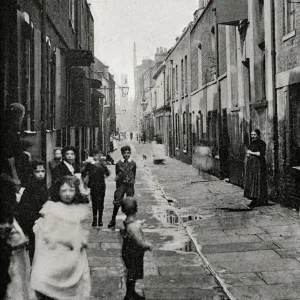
[43,81]
[275,114]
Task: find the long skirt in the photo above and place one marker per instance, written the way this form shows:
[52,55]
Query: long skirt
[255,187]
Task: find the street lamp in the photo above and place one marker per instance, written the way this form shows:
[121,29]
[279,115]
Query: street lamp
[144,105]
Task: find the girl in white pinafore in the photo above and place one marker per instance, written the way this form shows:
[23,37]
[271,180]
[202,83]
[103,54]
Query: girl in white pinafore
[60,266]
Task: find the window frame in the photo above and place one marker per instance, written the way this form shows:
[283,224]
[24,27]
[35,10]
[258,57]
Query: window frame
[289,10]
[29,74]
[185,75]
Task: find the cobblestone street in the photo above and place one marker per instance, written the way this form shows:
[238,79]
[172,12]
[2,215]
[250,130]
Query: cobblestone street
[203,237]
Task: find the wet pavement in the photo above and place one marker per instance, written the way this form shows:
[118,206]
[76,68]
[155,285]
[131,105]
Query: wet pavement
[254,254]
[206,241]
[173,270]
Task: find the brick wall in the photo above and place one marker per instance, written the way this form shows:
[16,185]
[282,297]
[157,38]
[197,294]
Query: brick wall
[59,28]
[204,33]
[288,55]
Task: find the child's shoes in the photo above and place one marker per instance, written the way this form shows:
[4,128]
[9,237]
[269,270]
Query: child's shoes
[94,224]
[112,224]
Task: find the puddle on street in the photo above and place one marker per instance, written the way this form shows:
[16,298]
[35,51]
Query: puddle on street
[171,217]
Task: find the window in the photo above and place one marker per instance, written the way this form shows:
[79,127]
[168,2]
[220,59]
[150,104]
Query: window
[72,13]
[184,131]
[28,33]
[177,142]
[213,39]
[182,78]
[184,124]
[173,81]
[290,12]
[51,85]
[176,77]
[185,75]
[200,81]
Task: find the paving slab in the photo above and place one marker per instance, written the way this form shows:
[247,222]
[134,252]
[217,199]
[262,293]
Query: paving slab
[281,276]
[238,247]
[245,256]
[242,279]
[184,294]
[257,265]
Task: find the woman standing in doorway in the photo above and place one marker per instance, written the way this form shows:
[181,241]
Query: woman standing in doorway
[255,187]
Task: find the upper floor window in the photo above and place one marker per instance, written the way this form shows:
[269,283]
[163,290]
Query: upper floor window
[185,75]
[182,78]
[28,63]
[51,85]
[290,15]
[72,13]
[176,77]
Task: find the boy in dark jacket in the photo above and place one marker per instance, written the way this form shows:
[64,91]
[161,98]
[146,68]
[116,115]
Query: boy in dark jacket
[34,197]
[125,179]
[96,173]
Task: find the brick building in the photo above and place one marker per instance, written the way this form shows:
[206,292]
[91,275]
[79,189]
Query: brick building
[139,70]
[47,49]
[178,94]
[205,80]
[287,81]
[222,81]
[103,107]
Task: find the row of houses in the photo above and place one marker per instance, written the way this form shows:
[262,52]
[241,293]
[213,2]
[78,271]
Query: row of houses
[48,65]
[234,68]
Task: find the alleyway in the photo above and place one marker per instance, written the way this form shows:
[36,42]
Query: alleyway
[203,236]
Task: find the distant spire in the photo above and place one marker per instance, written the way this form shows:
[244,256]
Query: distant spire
[134,55]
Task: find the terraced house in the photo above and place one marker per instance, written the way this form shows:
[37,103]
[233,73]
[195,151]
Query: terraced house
[47,52]
[235,68]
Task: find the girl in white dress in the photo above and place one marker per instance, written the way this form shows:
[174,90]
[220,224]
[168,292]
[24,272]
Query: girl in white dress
[60,266]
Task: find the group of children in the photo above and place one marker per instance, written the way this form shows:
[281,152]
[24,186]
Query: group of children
[55,223]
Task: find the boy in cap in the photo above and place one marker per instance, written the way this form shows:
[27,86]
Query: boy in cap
[125,179]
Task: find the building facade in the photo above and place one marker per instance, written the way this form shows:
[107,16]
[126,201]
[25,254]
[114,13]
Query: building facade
[53,45]
[227,74]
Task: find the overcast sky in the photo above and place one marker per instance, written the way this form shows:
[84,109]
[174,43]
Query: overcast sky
[149,23]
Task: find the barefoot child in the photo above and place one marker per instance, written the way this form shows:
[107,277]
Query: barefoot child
[125,179]
[133,248]
[60,268]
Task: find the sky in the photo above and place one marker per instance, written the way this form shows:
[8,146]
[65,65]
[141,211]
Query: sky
[149,23]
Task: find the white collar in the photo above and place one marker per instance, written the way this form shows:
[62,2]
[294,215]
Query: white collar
[129,160]
[70,167]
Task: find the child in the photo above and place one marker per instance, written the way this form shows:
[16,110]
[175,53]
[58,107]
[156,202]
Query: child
[125,179]
[133,248]
[33,198]
[96,182]
[60,266]
[56,159]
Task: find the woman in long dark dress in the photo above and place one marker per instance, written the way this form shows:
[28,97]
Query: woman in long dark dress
[255,187]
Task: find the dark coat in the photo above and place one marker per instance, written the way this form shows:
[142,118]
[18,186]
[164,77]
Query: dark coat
[62,170]
[125,172]
[34,197]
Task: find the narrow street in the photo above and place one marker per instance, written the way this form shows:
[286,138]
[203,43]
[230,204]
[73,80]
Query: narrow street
[173,270]
[205,239]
